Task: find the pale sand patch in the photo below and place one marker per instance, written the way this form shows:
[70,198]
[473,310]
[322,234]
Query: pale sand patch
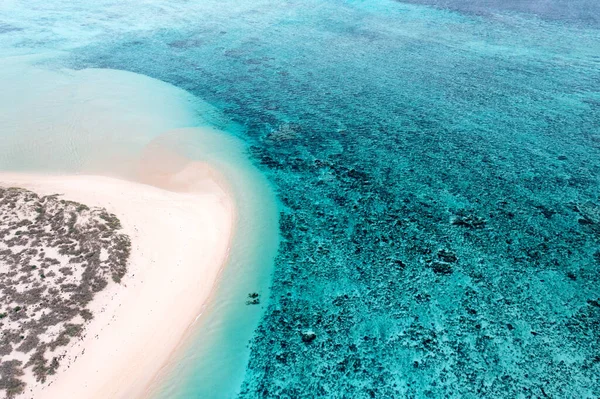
[180,241]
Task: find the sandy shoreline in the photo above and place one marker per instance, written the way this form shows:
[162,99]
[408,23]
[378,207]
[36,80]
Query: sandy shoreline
[180,241]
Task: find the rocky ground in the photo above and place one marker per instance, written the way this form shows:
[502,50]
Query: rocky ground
[55,255]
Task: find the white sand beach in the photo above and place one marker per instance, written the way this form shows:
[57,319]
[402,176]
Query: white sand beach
[180,234]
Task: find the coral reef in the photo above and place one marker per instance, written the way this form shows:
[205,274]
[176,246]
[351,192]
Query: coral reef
[438,173]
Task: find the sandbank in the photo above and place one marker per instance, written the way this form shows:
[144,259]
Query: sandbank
[180,234]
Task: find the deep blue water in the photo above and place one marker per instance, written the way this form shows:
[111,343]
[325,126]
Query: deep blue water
[580,12]
[439,176]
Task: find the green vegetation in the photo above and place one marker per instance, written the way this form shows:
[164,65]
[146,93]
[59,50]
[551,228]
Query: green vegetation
[58,289]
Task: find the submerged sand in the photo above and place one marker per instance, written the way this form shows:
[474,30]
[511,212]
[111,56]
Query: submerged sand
[180,234]
[110,122]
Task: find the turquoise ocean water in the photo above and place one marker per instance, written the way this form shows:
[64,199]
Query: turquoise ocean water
[435,166]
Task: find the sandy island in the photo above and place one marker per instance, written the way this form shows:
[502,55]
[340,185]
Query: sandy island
[180,240]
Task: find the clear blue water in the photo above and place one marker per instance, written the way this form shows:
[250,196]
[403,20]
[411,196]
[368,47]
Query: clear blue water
[437,166]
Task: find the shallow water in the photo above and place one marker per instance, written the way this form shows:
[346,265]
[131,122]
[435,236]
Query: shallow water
[111,122]
[438,172]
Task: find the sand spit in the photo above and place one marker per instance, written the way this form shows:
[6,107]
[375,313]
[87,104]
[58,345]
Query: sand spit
[179,242]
